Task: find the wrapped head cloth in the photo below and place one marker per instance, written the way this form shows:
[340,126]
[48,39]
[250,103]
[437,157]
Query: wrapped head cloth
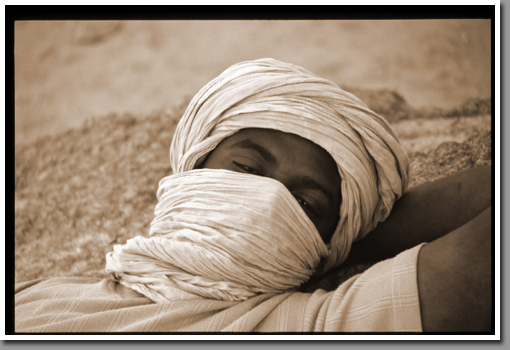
[267,93]
[226,235]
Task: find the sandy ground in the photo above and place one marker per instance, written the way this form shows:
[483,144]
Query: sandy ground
[67,72]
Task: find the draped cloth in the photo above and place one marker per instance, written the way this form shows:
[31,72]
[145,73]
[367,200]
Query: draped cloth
[217,235]
[382,299]
[270,94]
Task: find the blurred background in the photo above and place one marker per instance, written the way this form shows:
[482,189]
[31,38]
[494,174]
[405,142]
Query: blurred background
[69,71]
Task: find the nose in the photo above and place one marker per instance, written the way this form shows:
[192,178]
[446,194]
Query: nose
[284,172]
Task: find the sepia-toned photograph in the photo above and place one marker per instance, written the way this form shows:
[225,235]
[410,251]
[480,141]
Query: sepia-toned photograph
[314,176]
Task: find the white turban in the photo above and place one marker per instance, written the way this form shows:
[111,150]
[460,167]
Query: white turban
[224,235]
[270,94]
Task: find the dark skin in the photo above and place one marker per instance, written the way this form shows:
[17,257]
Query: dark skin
[453,214]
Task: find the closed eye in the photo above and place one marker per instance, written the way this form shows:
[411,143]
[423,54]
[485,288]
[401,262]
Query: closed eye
[246,168]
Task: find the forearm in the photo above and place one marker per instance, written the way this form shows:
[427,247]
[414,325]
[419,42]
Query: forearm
[428,212]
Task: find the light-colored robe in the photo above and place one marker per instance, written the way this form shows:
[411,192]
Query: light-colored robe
[382,299]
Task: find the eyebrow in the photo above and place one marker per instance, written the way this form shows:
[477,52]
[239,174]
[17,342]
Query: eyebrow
[264,153]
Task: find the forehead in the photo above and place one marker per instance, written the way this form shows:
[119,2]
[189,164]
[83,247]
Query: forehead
[276,140]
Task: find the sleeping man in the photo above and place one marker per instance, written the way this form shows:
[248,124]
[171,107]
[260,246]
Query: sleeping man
[280,176]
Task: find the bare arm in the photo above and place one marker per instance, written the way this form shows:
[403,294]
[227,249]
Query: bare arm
[455,279]
[423,214]
[427,212]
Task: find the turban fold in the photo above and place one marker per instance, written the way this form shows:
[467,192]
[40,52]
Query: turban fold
[208,237]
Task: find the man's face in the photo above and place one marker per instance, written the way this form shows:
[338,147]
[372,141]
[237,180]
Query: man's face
[306,169]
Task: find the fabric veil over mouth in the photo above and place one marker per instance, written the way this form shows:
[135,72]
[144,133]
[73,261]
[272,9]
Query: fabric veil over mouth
[268,93]
[217,235]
